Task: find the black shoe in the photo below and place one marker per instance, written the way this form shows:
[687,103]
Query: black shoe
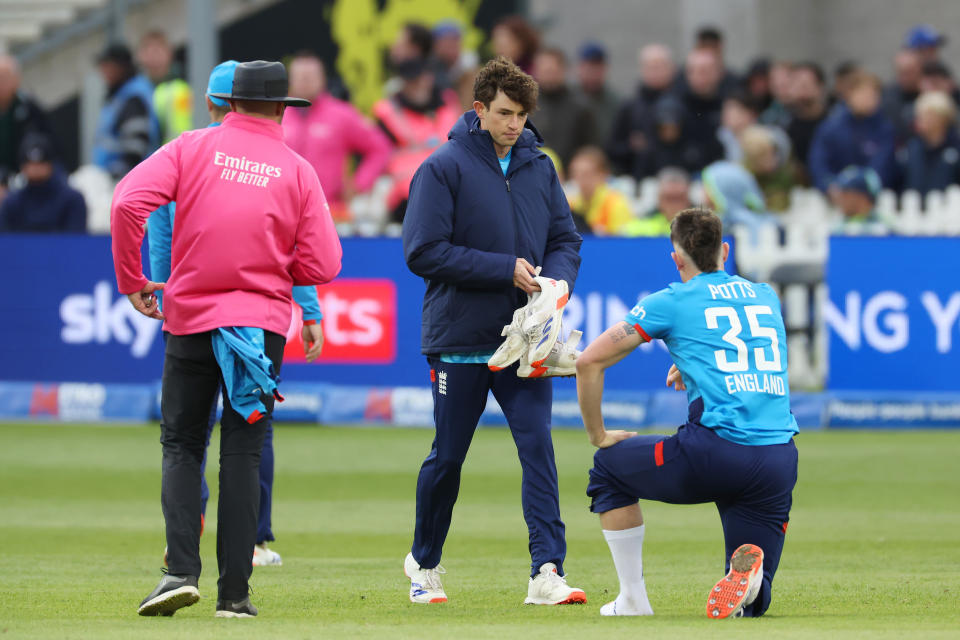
[235,608]
[173,592]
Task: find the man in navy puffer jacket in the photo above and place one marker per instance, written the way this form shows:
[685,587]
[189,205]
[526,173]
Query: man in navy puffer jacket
[485,209]
[856,132]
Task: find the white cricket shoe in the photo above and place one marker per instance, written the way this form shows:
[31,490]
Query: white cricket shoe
[264,556]
[542,324]
[548,587]
[514,346]
[425,584]
[562,360]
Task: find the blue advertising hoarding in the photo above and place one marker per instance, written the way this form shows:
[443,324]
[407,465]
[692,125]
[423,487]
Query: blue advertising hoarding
[893,314]
[63,319]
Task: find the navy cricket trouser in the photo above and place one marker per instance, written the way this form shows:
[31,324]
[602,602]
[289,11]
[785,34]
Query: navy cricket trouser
[751,486]
[459,398]
[264,530]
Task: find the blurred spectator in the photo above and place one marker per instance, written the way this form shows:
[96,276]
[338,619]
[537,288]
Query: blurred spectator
[781,83]
[808,108]
[855,133]
[710,38]
[631,142]
[565,122]
[4,189]
[757,83]
[856,191]
[673,196]
[417,120]
[937,76]
[515,39]
[413,42]
[925,41]
[931,159]
[843,73]
[172,98]
[561,172]
[739,112]
[592,90]
[671,147]
[19,116]
[128,130]
[46,202]
[597,208]
[732,192]
[766,155]
[702,101]
[899,95]
[450,60]
[327,133]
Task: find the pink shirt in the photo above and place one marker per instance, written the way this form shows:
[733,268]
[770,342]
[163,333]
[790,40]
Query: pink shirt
[327,133]
[251,222]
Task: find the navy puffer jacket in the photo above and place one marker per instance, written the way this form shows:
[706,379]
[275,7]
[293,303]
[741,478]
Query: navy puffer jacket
[466,225]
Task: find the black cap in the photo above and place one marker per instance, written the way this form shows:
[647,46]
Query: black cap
[936,68]
[758,67]
[116,52]
[36,147]
[261,81]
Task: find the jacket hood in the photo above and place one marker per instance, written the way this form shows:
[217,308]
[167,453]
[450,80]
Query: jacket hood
[733,190]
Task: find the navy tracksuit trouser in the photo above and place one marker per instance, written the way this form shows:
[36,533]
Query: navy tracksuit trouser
[459,398]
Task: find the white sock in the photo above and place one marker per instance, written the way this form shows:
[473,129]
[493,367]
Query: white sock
[626,547]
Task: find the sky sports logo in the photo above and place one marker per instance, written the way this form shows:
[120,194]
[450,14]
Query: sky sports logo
[359,323]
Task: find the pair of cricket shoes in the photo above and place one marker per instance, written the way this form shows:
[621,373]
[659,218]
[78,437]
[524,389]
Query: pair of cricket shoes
[533,336]
[730,596]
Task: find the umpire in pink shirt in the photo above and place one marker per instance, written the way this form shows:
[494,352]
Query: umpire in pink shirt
[251,222]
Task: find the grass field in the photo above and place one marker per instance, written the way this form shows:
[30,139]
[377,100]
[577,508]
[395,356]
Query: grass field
[873,548]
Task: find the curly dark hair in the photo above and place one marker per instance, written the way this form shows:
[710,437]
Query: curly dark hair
[699,233]
[502,75]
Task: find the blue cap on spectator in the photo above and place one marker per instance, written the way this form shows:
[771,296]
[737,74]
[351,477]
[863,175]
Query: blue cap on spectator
[447,28]
[861,179]
[592,51]
[923,36]
[221,81]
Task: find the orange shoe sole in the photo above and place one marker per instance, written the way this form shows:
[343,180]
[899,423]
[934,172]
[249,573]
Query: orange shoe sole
[577,597]
[432,601]
[727,596]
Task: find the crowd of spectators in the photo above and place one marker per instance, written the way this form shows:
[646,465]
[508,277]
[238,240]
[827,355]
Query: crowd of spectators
[747,138]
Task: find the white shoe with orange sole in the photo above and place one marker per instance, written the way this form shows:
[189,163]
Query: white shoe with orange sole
[425,586]
[549,587]
[542,324]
